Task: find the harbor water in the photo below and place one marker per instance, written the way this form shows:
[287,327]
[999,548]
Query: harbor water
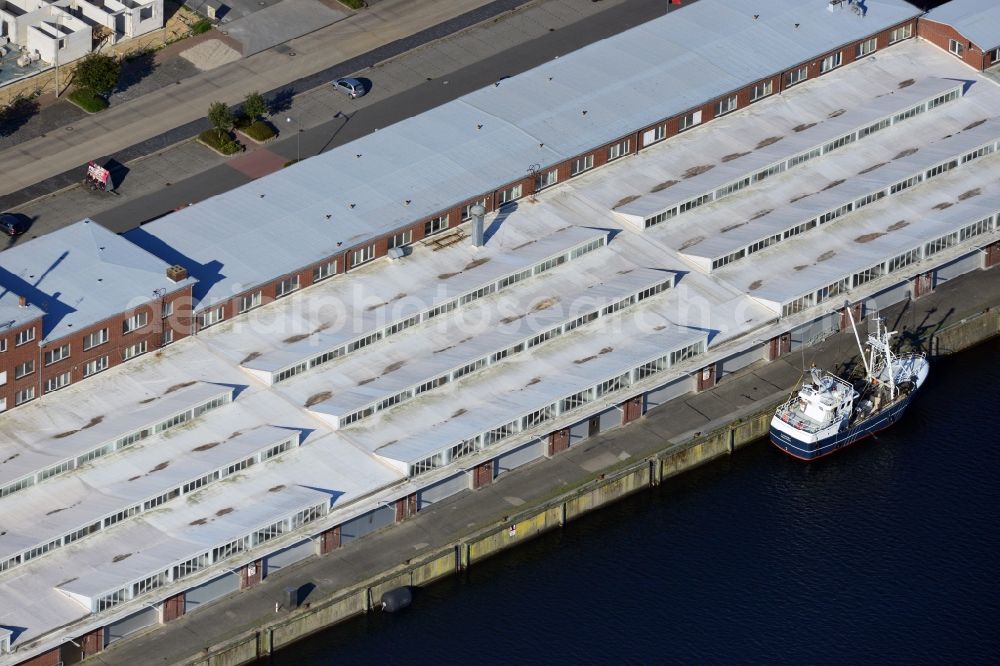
[887,552]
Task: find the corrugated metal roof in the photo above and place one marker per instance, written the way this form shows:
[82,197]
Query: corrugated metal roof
[489,137]
[979,20]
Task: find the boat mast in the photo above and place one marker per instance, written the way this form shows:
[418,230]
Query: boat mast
[880,343]
[864,356]
[889,365]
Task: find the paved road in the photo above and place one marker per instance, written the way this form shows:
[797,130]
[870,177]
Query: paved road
[176,174]
[415,95]
[176,112]
[448,520]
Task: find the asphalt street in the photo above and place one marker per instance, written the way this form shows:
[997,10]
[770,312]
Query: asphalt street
[368,117]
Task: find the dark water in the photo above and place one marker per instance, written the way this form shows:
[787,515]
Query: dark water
[887,552]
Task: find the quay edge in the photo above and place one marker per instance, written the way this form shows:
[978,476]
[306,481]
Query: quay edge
[543,515]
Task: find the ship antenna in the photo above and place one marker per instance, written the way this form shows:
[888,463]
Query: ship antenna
[854,327]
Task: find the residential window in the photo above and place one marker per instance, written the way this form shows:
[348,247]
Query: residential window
[581,164]
[250,301]
[797,76]
[436,226]
[762,89]
[24,369]
[134,350]
[690,120]
[401,239]
[866,47]
[166,309]
[3,344]
[135,322]
[324,271]
[56,355]
[547,179]
[24,395]
[726,105]
[57,382]
[361,255]
[27,335]
[619,149]
[95,366]
[956,47]
[467,209]
[658,133]
[95,339]
[994,55]
[510,194]
[167,337]
[214,316]
[287,286]
[832,61]
[901,33]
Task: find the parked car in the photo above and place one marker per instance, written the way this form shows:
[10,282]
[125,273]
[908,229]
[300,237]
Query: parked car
[351,87]
[13,225]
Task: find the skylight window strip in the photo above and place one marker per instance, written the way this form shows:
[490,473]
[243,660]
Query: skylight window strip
[138,586]
[615,384]
[851,206]
[496,356]
[483,290]
[268,452]
[892,264]
[115,445]
[828,146]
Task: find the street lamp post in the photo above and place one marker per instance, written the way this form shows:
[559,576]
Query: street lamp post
[58,41]
[298,139]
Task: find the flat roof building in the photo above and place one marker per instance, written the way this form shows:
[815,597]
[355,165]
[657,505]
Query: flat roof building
[968,29]
[80,300]
[313,407]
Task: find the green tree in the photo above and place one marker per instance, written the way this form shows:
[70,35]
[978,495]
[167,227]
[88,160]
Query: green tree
[221,117]
[254,106]
[98,73]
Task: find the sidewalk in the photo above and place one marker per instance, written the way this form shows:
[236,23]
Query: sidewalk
[449,520]
[158,112]
[179,171]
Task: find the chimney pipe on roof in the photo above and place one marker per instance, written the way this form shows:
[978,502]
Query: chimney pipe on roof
[22,301]
[478,212]
[177,273]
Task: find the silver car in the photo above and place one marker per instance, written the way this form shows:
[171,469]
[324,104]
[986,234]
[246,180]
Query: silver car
[351,87]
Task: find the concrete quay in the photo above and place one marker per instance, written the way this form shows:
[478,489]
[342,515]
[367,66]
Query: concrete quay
[455,533]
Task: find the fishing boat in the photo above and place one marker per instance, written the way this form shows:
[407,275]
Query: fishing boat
[830,412]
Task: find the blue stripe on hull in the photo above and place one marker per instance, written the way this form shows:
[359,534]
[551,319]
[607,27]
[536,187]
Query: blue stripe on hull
[824,447]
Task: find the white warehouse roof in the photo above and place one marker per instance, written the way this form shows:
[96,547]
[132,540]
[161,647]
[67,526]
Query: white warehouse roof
[80,275]
[489,137]
[979,20]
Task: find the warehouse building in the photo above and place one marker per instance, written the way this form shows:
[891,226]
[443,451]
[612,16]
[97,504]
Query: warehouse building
[968,29]
[297,420]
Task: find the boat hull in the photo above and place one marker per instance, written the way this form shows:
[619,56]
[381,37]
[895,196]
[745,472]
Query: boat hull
[859,431]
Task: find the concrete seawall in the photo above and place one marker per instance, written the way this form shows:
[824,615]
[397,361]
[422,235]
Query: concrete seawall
[542,514]
[606,488]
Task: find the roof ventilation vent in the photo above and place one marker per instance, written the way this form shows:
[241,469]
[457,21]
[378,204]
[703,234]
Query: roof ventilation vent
[177,273]
[478,212]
